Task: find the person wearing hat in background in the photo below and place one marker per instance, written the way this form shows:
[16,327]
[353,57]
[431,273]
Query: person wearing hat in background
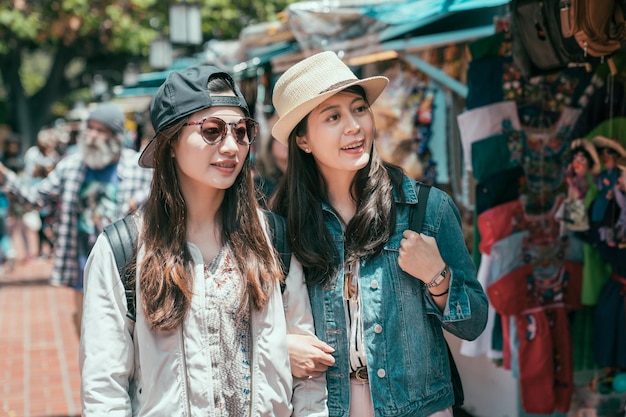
[609,325]
[102,179]
[584,166]
[380,293]
[210,336]
[609,150]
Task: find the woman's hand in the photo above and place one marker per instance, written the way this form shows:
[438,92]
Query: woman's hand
[419,256]
[308,356]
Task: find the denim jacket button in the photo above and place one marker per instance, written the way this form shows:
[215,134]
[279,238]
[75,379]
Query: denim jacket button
[381,373]
[378,328]
[374,284]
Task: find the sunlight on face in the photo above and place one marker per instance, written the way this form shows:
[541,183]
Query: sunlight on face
[340,135]
[201,166]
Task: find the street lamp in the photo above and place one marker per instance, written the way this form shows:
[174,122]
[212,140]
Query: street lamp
[185,23]
[131,75]
[160,53]
[99,87]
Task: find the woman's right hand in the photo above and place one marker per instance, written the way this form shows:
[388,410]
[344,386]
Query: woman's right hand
[308,356]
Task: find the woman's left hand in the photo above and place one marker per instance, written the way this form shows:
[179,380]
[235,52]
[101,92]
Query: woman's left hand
[419,256]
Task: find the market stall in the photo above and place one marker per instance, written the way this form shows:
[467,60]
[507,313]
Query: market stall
[548,239]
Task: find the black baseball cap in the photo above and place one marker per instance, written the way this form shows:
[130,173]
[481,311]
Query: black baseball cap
[185,92]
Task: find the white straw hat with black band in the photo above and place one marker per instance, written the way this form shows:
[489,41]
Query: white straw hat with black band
[311,81]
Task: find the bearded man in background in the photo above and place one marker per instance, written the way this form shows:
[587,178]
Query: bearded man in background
[92,188]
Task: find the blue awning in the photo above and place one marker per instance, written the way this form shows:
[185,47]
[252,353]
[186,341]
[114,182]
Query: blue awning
[318,26]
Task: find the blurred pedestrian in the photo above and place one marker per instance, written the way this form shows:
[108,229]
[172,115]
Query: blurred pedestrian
[22,241]
[93,187]
[270,165]
[39,160]
[210,336]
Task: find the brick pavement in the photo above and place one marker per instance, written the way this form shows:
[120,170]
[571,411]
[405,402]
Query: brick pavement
[38,345]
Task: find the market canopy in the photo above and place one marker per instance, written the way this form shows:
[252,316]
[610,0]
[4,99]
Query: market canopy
[353,28]
[320,24]
[356,28]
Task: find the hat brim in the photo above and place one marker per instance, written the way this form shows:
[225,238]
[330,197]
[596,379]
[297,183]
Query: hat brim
[602,142]
[146,159]
[373,87]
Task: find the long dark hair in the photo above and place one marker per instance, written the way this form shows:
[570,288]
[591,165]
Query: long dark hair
[300,197]
[166,279]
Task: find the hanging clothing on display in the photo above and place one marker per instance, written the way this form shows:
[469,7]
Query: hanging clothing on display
[546,280]
[483,122]
[503,258]
[542,330]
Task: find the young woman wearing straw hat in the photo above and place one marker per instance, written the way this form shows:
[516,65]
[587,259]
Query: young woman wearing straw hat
[210,336]
[380,294]
[583,167]
[609,150]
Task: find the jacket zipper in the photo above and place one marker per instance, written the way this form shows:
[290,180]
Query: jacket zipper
[252,364]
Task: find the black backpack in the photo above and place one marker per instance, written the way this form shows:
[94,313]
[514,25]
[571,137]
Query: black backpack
[122,236]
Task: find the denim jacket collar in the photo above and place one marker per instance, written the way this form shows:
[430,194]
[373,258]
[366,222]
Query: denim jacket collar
[408,188]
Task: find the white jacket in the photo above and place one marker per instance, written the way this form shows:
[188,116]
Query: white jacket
[140,372]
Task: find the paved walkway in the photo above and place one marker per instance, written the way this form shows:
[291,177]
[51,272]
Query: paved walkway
[38,345]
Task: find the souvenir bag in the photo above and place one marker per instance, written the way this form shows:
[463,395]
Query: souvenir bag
[597,25]
[574,215]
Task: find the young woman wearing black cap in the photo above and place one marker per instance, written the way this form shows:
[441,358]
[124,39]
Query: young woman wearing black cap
[211,320]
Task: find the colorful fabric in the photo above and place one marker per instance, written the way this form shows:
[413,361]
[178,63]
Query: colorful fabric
[540,303]
[483,122]
[497,153]
[499,222]
[503,187]
[505,257]
[484,81]
[230,334]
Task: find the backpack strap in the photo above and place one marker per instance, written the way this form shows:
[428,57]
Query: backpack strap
[416,221]
[416,215]
[122,236]
[278,231]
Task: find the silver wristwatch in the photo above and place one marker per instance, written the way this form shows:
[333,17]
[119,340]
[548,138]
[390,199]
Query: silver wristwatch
[439,278]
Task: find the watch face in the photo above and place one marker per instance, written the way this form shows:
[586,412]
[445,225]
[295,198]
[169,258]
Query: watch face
[436,281]
[439,279]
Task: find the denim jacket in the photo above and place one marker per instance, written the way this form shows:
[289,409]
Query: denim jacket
[406,352]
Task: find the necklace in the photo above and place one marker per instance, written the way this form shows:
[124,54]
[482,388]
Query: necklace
[350,282]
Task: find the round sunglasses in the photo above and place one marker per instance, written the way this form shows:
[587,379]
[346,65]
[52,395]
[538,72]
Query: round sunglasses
[213,130]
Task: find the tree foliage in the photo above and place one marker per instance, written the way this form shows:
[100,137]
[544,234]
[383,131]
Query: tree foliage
[49,48]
